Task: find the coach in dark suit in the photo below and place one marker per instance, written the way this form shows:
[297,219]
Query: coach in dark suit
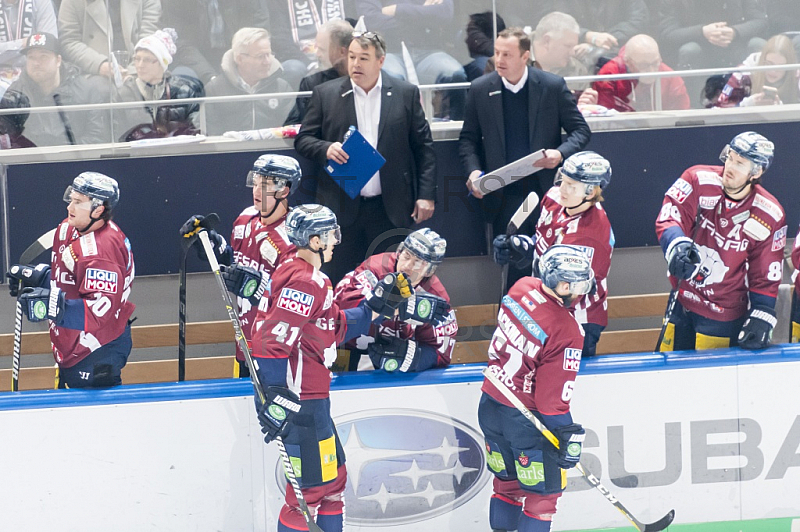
[387,111]
[511,113]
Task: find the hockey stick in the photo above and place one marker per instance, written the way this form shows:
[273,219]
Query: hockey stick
[593,481]
[237,327]
[209,222]
[17,348]
[39,246]
[523,211]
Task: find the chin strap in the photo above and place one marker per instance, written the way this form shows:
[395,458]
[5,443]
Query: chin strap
[265,217]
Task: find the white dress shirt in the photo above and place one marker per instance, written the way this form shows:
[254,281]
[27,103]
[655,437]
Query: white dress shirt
[515,88]
[368,115]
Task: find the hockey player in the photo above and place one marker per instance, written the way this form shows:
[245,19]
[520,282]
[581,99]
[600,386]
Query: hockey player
[536,352]
[258,239]
[422,336]
[796,294]
[572,214]
[723,236]
[84,292]
[294,345]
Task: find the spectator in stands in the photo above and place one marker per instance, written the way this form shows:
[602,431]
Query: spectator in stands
[333,39]
[784,17]
[248,68]
[152,55]
[480,42]
[423,25]
[21,18]
[49,81]
[640,55]
[12,125]
[85,35]
[206,28]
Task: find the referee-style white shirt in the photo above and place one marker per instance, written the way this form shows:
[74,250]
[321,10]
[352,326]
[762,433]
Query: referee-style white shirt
[368,115]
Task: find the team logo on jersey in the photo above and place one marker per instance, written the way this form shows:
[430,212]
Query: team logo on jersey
[709,202]
[779,240]
[100,281]
[296,301]
[768,206]
[572,359]
[406,466]
[711,270]
[680,190]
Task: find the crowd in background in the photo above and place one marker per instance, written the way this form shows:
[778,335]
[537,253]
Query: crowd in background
[71,52]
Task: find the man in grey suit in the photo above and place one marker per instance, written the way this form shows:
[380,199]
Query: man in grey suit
[388,113]
[511,113]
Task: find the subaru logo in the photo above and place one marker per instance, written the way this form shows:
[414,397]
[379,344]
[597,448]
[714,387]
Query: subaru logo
[405,466]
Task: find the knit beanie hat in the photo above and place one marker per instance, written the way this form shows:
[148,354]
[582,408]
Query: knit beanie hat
[161,44]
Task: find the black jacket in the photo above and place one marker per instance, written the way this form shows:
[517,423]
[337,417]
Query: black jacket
[306,84]
[682,21]
[621,18]
[404,140]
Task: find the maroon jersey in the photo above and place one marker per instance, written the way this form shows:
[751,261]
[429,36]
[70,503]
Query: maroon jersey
[354,286]
[796,262]
[260,247]
[741,242]
[97,268]
[589,231]
[536,349]
[301,323]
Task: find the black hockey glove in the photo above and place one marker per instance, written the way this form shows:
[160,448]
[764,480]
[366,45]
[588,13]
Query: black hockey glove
[516,249]
[756,332]
[40,304]
[683,258]
[245,282]
[394,354]
[390,293]
[570,445]
[192,227]
[281,404]
[25,275]
[422,308]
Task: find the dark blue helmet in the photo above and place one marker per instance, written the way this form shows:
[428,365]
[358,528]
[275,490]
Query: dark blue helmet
[569,264]
[280,168]
[305,221]
[587,167]
[753,147]
[427,245]
[99,187]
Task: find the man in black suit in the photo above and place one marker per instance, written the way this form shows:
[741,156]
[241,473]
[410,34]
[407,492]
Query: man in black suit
[387,111]
[511,113]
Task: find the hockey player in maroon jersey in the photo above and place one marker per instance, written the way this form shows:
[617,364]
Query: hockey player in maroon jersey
[422,336]
[536,352]
[796,293]
[87,299]
[572,214]
[258,239]
[293,347]
[728,271]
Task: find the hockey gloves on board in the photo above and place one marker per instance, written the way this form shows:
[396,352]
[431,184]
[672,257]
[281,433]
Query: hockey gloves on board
[683,258]
[570,445]
[756,332]
[245,282]
[192,227]
[394,354]
[25,275]
[422,308]
[279,407]
[388,294]
[516,249]
[40,304]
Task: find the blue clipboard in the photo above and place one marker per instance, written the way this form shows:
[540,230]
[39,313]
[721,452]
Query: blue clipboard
[364,161]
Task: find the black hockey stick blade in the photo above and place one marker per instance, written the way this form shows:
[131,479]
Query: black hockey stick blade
[661,524]
[209,222]
[42,244]
[523,211]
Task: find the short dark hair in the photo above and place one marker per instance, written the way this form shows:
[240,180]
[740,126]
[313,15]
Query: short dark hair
[522,37]
[366,39]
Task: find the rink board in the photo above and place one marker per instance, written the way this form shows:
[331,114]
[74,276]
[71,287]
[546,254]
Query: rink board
[716,438]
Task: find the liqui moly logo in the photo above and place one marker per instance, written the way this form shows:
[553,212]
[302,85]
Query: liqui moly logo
[296,301]
[101,281]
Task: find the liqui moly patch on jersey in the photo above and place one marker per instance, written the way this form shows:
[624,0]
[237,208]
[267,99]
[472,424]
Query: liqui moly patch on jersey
[101,281]
[296,301]
[680,190]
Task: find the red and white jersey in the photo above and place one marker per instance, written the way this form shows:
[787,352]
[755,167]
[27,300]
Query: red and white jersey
[796,262]
[97,268]
[536,349]
[260,247]
[741,242]
[301,323]
[354,286]
[591,232]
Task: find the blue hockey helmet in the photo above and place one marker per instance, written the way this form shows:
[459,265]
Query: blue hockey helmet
[587,167]
[753,147]
[425,244]
[99,187]
[306,221]
[566,263]
[280,168]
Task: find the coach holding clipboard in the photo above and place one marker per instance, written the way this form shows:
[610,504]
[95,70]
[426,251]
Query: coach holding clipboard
[388,113]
